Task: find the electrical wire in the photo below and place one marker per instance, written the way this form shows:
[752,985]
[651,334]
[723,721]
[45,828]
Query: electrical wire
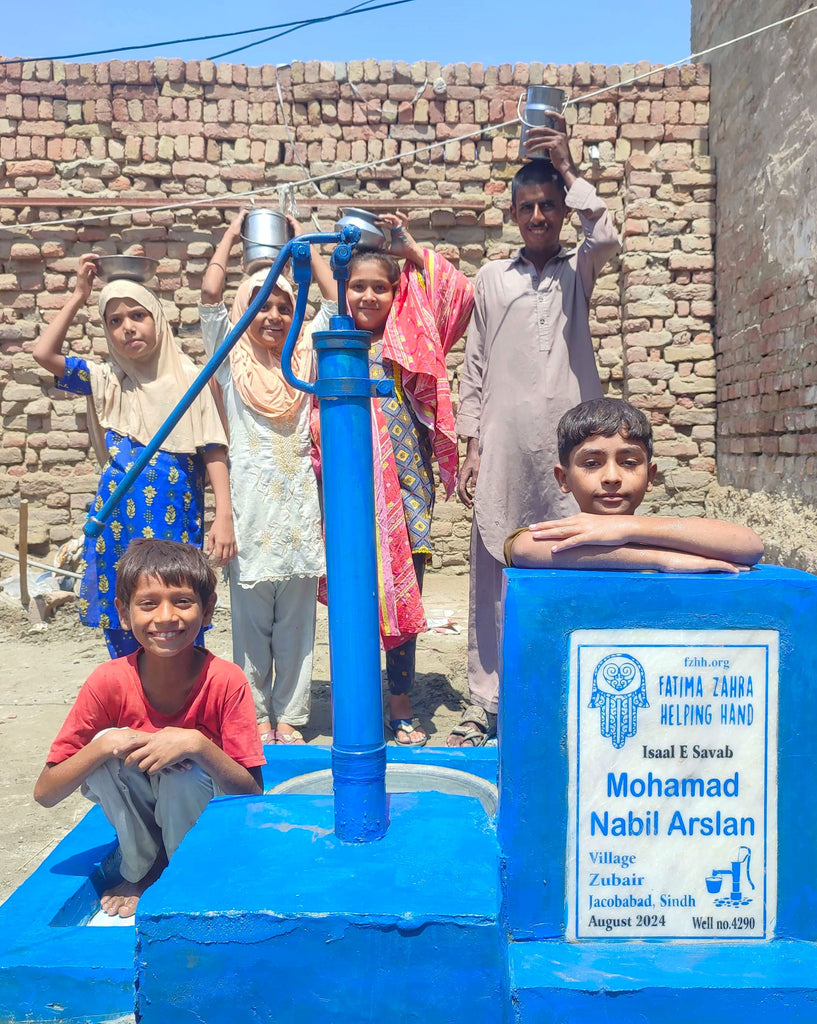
[354,168]
[357,9]
[198,39]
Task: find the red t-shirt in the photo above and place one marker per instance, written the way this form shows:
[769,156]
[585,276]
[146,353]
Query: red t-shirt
[220,706]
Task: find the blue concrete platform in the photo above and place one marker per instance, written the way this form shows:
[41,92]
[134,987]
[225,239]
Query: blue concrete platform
[624,982]
[54,968]
[264,915]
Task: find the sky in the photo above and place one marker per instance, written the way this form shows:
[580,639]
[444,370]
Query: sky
[508,31]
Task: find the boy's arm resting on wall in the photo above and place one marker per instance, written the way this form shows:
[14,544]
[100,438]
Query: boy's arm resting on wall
[707,538]
[57,781]
[526,552]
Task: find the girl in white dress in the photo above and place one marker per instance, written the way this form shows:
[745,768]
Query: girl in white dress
[274,577]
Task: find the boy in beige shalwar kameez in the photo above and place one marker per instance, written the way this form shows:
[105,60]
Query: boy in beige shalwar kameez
[528,359]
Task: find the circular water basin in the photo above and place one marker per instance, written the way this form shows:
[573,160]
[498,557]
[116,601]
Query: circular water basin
[405,778]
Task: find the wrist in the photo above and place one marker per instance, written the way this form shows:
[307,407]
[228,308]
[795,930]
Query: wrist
[415,253]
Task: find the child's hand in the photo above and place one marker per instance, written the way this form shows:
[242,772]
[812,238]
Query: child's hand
[683,562]
[162,749]
[86,272]
[295,225]
[234,228]
[395,227]
[221,543]
[584,528]
[122,742]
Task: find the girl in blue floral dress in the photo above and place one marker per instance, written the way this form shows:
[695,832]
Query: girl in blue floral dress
[128,400]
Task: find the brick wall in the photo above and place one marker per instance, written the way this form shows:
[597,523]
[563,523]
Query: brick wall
[764,108]
[75,139]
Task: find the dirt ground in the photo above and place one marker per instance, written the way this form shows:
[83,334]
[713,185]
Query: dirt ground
[42,671]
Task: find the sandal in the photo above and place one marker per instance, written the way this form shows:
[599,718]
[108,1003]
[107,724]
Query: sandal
[288,737]
[268,737]
[475,728]
[407,726]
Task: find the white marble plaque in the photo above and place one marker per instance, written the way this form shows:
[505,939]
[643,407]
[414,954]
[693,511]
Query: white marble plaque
[673,784]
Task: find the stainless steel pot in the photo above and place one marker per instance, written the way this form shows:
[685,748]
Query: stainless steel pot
[541,103]
[264,233]
[126,268]
[371,237]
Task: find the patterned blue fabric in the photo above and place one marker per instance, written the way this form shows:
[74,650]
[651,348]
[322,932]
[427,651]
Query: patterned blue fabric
[167,501]
[412,453]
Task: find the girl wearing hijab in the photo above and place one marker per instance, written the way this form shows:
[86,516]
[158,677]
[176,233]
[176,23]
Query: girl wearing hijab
[128,400]
[274,578]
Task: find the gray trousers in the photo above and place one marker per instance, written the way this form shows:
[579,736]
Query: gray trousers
[273,638]
[484,624]
[149,812]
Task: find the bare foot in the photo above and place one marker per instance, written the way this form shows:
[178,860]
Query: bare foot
[122,899]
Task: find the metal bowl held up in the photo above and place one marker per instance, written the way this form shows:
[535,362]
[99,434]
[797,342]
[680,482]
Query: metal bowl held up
[541,103]
[126,268]
[371,237]
[264,233]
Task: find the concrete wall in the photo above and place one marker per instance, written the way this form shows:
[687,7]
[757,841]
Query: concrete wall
[75,139]
[763,112]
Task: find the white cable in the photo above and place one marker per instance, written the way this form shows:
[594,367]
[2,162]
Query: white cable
[239,197]
[692,56]
[354,168]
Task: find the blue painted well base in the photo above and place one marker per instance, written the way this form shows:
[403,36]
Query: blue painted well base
[264,915]
[53,968]
[624,982]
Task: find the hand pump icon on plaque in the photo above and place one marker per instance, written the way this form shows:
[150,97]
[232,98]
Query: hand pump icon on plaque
[737,871]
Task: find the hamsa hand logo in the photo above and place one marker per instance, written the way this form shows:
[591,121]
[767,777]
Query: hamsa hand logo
[619,689]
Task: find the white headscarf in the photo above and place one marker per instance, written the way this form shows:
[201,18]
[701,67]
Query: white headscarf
[135,398]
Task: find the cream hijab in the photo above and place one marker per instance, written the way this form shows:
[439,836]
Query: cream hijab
[135,398]
[261,388]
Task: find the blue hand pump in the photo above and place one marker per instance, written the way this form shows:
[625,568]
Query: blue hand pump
[344,392]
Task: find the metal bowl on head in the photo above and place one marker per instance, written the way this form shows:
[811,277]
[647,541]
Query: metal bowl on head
[126,268]
[371,237]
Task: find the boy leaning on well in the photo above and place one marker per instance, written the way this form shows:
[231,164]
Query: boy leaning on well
[153,736]
[605,462]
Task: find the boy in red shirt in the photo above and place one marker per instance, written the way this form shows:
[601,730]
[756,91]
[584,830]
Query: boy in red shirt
[152,737]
